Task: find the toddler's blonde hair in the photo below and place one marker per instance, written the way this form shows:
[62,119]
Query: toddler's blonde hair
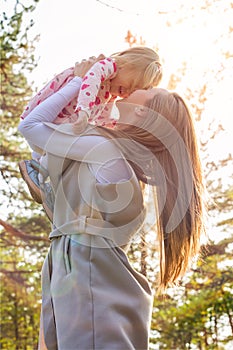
[143,65]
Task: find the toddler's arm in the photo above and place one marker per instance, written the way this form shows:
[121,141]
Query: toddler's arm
[92,84]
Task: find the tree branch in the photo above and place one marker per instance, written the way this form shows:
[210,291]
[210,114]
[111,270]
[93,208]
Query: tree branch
[18,233]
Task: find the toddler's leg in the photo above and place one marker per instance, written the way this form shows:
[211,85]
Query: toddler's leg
[34,175]
[30,176]
[50,88]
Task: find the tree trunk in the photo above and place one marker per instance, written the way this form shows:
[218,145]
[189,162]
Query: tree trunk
[229,317]
[216,330]
[206,338]
[15,320]
[143,254]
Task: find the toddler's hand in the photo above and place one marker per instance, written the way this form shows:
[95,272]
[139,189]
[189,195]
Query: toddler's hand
[80,125]
[73,118]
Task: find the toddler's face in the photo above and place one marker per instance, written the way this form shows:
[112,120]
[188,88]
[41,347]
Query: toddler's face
[121,84]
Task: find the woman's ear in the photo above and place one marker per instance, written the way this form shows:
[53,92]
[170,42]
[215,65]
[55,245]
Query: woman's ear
[141,111]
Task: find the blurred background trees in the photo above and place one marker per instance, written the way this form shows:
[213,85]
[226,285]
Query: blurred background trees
[24,227]
[196,315]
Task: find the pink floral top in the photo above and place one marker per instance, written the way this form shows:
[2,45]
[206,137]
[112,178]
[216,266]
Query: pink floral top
[94,96]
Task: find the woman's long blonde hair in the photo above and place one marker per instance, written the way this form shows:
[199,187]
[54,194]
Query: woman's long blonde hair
[143,64]
[173,167]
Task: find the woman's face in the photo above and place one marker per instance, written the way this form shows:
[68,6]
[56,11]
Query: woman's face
[132,108]
[139,97]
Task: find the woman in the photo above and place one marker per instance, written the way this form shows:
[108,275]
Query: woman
[91,296]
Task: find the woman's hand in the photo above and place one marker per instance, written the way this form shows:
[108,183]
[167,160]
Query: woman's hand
[81,68]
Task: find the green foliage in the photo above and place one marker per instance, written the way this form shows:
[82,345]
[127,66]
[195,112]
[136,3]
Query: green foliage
[20,299]
[16,59]
[199,314]
[23,233]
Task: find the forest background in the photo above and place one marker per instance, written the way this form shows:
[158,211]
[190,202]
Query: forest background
[195,42]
